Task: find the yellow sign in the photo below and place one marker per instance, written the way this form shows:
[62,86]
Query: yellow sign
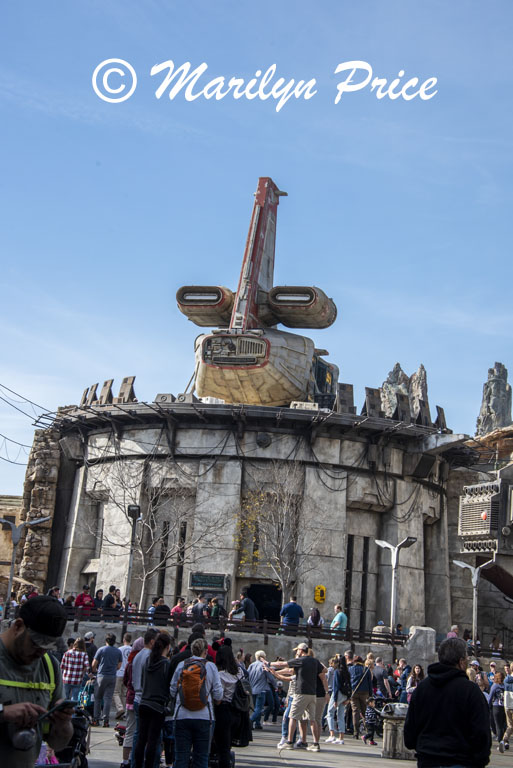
[320,593]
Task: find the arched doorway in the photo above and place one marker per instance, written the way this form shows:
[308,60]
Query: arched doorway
[267,598]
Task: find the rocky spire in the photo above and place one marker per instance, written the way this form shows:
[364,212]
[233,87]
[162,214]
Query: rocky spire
[397,382]
[496,405]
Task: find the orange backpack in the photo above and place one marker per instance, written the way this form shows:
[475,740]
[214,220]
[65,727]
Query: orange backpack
[192,685]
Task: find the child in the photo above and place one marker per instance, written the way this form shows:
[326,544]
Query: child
[371,720]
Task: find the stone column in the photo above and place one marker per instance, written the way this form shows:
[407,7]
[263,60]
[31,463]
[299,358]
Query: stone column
[214,527]
[324,517]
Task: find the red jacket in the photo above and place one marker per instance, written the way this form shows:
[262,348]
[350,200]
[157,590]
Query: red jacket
[84,600]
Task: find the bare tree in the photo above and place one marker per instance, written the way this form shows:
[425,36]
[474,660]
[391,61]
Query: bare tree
[274,532]
[173,528]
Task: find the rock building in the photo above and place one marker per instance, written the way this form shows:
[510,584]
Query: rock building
[193,469]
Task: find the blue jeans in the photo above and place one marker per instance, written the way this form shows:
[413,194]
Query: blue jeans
[259,702]
[71,691]
[193,734]
[285,721]
[339,707]
[272,704]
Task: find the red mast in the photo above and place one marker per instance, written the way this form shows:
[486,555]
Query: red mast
[258,265]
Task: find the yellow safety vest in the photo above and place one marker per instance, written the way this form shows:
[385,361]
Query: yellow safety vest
[36,686]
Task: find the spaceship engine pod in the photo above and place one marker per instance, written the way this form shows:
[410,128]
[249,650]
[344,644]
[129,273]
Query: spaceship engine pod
[206,305]
[302,307]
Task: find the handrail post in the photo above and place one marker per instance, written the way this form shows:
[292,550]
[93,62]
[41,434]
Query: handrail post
[78,618]
[125,621]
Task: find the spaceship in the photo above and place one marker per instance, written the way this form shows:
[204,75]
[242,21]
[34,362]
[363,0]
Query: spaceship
[247,359]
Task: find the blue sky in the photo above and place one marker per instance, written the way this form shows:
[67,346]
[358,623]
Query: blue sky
[399,210]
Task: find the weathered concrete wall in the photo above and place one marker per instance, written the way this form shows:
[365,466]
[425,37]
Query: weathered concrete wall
[200,473]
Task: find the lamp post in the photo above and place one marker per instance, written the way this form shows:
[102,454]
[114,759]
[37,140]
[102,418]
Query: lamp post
[404,544]
[475,572]
[16,534]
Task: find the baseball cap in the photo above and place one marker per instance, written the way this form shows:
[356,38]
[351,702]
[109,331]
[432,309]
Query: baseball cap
[301,647]
[45,620]
[86,587]
[89,636]
[474,663]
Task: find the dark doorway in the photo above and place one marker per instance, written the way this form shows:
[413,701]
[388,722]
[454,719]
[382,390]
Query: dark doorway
[267,598]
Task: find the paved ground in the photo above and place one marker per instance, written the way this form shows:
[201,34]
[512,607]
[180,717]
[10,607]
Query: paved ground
[262,753]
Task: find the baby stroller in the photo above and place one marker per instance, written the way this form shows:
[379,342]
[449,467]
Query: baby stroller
[86,697]
[75,754]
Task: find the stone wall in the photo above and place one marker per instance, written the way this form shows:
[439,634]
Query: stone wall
[10,509]
[420,647]
[39,494]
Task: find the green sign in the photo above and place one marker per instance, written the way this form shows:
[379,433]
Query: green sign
[212,581]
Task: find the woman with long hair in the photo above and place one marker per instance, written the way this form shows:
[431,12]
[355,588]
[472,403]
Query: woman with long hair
[413,680]
[156,679]
[74,665]
[315,619]
[337,703]
[226,716]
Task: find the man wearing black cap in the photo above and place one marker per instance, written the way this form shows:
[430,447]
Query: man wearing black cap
[31,682]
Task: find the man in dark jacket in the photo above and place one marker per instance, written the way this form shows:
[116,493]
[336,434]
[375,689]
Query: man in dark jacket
[361,685]
[249,607]
[448,722]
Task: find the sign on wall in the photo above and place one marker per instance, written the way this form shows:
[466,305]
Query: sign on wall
[210,581]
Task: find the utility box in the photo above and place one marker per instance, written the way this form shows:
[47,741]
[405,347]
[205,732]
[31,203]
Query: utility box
[394,716]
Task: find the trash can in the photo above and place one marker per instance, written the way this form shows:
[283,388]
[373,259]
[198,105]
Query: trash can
[394,716]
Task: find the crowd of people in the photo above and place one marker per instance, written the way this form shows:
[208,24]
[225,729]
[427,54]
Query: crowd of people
[174,699]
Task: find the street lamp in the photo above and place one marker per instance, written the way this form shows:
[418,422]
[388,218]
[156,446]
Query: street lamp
[475,572]
[16,533]
[404,544]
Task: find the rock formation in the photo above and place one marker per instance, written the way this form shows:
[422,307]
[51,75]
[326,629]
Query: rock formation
[495,410]
[397,382]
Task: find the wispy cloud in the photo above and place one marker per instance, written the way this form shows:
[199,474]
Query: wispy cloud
[31,95]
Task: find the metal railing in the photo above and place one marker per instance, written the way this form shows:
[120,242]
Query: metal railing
[223,624]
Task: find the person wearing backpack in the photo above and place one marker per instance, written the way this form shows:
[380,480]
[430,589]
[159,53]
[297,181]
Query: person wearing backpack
[196,685]
[361,685]
[227,717]
[341,692]
[155,681]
